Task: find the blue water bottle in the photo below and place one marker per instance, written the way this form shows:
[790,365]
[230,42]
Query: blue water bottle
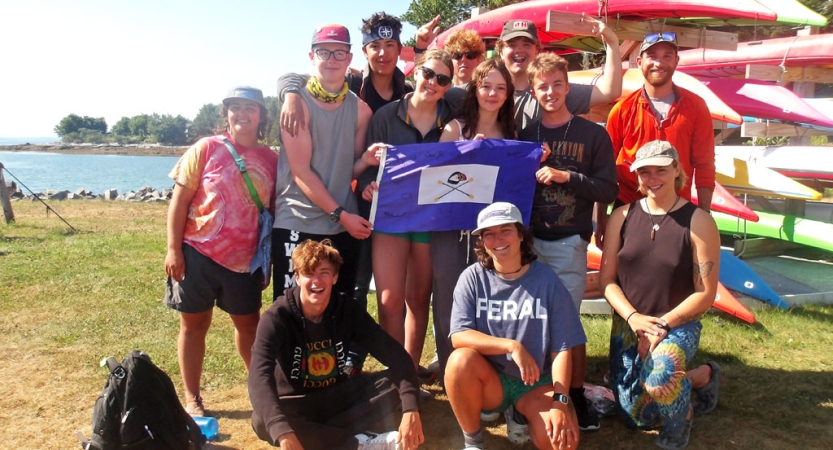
[208,426]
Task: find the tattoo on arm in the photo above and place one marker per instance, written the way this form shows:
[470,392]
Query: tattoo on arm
[701,271]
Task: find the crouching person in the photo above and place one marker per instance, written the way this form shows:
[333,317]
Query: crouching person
[300,397]
[513,324]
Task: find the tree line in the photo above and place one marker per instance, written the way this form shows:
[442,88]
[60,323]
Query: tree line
[153,128]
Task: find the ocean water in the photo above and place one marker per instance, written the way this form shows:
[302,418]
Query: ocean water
[96,173]
[28,140]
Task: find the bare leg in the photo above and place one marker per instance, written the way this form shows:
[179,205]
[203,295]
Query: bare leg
[472,384]
[245,329]
[418,299]
[534,405]
[579,360]
[390,266]
[699,376]
[193,327]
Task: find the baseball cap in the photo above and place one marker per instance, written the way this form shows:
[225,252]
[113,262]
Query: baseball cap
[498,213]
[331,33]
[652,39]
[246,92]
[519,28]
[655,153]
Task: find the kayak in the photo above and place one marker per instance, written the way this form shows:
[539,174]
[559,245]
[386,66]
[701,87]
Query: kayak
[814,162]
[741,177]
[738,276]
[725,202]
[799,230]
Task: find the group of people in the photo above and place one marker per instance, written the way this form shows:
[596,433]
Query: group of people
[506,296]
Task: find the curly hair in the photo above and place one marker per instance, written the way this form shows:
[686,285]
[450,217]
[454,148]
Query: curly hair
[462,41]
[379,19]
[310,253]
[527,253]
[547,63]
[470,111]
[262,124]
[438,54]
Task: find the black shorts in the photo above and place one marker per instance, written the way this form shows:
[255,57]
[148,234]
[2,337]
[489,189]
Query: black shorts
[207,283]
[284,242]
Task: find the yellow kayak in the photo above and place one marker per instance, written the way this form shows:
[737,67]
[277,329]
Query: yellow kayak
[741,177]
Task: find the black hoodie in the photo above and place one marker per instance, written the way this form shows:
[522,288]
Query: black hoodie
[275,369]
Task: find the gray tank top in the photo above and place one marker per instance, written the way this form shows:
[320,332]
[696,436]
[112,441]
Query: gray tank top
[333,136]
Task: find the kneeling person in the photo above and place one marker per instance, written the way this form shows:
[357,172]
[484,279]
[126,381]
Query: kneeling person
[513,325]
[300,397]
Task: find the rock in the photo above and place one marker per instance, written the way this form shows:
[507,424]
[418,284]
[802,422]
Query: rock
[49,192]
[110,194]
[62,195]
[81,192]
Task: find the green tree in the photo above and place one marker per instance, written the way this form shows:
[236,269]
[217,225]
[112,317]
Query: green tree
[207,122]
[452,12]
[168,130]
[122,127]
[273,106]
[139,126]
[74,123]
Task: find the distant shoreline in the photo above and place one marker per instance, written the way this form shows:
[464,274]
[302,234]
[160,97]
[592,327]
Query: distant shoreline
[97,149]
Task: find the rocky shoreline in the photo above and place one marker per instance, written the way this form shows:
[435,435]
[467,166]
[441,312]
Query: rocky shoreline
[98,149]
[145,194]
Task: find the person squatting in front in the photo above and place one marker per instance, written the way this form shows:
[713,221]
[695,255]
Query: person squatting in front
[213,235]
[513,325]
[659,273]
[301,397]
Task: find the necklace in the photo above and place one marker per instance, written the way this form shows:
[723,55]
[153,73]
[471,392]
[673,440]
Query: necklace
[509,273]
[655,226]
[563,139]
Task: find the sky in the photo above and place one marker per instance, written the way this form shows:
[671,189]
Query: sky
[121,58]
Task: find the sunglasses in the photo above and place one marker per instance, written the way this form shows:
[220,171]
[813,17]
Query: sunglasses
[428,73]
[469,55]
[668,36]
[324,55]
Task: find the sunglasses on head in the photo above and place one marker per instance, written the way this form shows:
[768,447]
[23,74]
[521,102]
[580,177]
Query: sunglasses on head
[428,73]
[668,36]
[468,55]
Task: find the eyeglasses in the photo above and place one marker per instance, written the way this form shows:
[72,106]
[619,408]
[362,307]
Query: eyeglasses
[668,36]
[469,55]
[324,55]
[428,73]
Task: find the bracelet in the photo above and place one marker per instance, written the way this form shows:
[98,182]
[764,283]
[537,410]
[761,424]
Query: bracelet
[628,320]
[419,50]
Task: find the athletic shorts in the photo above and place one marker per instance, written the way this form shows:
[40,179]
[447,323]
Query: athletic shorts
[514,389]
[207,284]
[568,259]
[418,237]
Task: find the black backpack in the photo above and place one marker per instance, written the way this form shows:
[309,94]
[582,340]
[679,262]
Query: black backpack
[139,410]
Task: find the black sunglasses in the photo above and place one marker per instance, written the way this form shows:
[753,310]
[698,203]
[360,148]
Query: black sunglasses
[469,55]
[428,73]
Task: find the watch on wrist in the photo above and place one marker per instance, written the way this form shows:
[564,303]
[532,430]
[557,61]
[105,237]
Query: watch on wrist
[560,398]
[335,214]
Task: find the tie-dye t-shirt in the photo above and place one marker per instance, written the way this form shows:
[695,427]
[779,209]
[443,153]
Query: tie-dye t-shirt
[222,217]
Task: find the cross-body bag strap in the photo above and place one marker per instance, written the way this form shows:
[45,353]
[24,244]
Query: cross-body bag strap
[242,166]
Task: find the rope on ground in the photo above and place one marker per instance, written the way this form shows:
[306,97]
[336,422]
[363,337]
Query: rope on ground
[48,208]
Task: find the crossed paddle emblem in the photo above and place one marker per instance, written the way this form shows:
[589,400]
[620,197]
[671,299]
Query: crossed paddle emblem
[456,178]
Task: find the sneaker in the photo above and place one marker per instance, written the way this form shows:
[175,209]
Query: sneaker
[707,395]
[194,408]
[384,441]
[679,441]
[489,417]
[587,418]
[426,376]
[517,429]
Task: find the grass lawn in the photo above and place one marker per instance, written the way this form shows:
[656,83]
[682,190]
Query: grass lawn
[67,300]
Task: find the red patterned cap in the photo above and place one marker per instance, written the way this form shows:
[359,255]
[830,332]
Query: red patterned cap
[331,33]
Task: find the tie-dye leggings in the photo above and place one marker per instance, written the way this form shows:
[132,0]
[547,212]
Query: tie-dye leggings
[653,392]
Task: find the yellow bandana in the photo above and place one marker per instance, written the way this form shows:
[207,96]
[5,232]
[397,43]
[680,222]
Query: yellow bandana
[314,87]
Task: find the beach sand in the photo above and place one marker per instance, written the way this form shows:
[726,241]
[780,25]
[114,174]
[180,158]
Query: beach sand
[96,149]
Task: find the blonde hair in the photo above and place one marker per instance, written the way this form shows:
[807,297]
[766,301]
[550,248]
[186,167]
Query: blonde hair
[679,181]
[438,54]
[310,253]
[546,63]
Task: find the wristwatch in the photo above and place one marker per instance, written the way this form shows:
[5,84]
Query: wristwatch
[335,214]
[561,398]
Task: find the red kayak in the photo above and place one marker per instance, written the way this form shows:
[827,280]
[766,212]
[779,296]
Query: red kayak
[725,202]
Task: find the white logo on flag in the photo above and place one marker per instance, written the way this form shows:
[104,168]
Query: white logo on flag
[463,183]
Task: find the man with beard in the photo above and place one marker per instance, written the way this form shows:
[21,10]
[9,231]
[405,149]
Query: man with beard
[666,112]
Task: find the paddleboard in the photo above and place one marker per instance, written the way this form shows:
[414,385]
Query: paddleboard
[799,230]
[738,276]
[795,51]
[632,80]
[724,300]
[724,201]
[765,100]
[740,177]
[791,161]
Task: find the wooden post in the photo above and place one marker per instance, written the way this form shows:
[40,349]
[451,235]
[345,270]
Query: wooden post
[4,198]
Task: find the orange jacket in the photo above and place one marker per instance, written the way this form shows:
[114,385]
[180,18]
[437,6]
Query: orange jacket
[688,128]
